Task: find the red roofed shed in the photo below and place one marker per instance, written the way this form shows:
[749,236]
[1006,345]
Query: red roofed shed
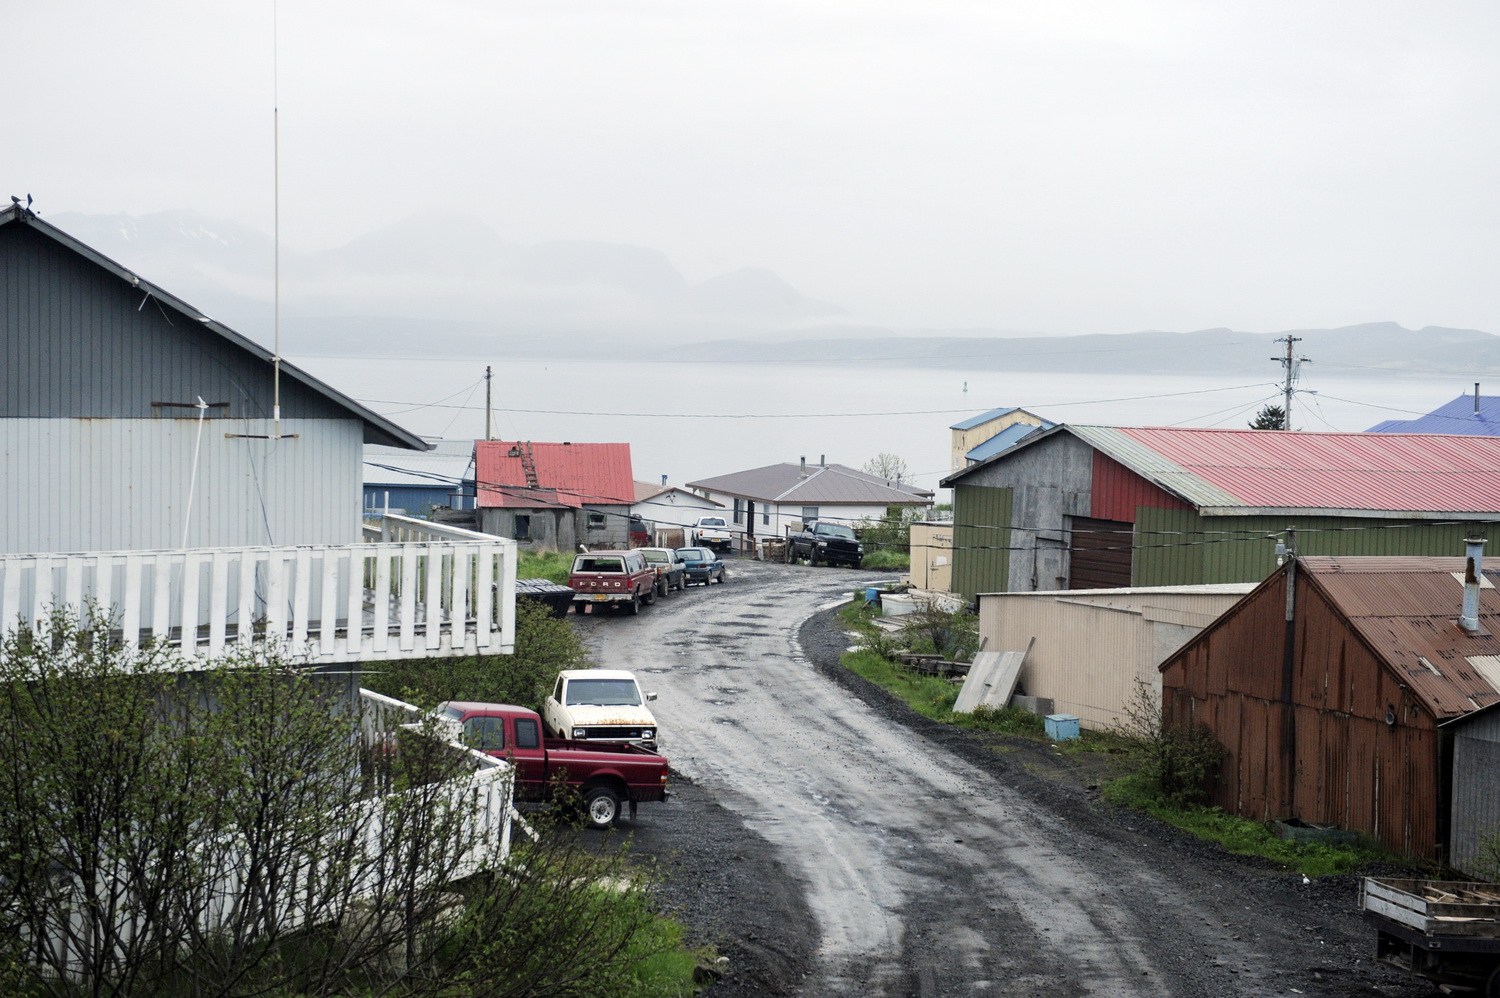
[554,496]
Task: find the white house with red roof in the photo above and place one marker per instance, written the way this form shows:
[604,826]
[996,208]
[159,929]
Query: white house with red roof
[554,496]
[1078,507]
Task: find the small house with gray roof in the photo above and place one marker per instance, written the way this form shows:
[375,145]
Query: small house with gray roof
[773,500]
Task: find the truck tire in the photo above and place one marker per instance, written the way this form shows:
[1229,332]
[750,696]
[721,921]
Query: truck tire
[649,596]
[812,557]
[601,806]
[791,553]
[634,606]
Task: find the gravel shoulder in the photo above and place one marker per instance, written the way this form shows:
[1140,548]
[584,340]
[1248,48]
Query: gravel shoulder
[1250,929]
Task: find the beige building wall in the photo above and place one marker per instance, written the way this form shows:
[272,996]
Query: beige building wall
[1093,647]
[932,556]
[966,440]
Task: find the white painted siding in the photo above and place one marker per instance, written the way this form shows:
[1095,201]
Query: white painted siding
[124,484]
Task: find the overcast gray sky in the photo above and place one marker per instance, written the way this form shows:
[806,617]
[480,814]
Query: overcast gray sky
[1051,166]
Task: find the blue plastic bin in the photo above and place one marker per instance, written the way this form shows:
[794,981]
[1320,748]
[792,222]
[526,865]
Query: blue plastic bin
[1061,727]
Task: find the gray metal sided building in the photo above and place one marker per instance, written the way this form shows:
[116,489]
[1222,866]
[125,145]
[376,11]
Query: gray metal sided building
[105,443]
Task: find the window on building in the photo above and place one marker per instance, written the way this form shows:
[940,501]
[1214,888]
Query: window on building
[596,521]
[809,513]
[739,511]
[765,516]
[522,530]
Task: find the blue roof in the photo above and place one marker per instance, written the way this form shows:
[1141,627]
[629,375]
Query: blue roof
[1008,437]
[1457,417]
[982,418]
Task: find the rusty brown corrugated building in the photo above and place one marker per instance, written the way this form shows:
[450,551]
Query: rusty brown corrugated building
[1340,704]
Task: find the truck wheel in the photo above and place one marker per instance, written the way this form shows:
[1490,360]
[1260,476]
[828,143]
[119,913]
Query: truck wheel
[649,596]
[601,807]
[812,557]
[791,556]
[634,606]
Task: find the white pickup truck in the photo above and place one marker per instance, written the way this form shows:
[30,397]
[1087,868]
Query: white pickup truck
[711,532]
[600,705]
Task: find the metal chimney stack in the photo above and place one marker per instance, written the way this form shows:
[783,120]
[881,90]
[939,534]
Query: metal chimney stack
[1473,566]
[804,466]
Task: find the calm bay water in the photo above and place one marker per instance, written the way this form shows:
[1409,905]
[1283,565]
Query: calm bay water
[689,420]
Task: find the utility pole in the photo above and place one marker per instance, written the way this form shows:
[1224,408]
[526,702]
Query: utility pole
[488,408]
[1291,366]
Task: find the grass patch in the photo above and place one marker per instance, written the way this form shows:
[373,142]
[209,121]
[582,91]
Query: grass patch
[554,566]
[1243,836]
[887,560]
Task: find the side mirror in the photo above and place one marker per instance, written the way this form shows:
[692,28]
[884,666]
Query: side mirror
[650,697]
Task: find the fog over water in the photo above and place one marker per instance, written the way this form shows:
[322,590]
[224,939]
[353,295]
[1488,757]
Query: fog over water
[692,420]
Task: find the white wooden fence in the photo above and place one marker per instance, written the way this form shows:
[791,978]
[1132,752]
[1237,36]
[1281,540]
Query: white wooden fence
[421,591]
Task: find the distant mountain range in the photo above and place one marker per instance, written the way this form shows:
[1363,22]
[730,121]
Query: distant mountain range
[441,283]
[445,285]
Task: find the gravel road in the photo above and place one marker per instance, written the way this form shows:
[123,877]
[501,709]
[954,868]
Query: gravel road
[831,842]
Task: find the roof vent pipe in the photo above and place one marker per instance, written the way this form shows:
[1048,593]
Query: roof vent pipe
[1473,565]
[804,467]
[822,460]
[663,481]
[1476,398]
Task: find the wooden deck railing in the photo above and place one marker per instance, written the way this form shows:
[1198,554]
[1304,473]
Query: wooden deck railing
[433,593]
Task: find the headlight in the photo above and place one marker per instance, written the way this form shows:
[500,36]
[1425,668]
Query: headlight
[822,544]
[580,733]
[647,734]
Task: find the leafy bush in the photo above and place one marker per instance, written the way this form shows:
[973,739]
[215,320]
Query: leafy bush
[554,566]
[886,560]
[931,630]
[1182,763]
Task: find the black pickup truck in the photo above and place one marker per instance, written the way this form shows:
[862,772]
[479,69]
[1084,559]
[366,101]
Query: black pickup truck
[830,543]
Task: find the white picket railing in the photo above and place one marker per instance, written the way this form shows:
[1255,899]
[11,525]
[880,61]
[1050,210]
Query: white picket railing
[435,592]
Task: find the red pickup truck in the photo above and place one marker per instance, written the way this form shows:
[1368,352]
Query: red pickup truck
[612,578]
[604,776]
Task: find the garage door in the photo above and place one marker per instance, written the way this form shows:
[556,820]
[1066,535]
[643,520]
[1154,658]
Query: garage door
[1100,554]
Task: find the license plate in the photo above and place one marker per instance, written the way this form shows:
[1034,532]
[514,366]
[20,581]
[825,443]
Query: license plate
[600,598]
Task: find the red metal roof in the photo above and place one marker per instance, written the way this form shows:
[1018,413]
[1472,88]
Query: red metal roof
[567,474]
[1406,609]
[1359,471]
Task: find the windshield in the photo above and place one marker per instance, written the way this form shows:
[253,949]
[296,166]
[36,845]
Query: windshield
[834,530]
[603,693]
[655,557]
[711,521]
[584,564]
[695,554]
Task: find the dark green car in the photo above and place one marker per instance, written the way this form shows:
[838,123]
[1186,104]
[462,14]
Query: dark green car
[703,565]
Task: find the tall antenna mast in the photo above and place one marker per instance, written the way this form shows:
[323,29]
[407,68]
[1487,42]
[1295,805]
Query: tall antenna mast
[276,224]
[1291,368]
[488,408]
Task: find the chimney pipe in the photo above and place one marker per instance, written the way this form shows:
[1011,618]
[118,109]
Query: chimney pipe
[1473,565]
[1476,398]
[822,460]
[804,467]
[663,481]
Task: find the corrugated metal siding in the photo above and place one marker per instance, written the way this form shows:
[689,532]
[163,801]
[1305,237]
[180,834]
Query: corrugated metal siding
[111,485]
[1180,547]
[1118,491]
[1328,755]
[981,538]
[79,342]
[1476,791]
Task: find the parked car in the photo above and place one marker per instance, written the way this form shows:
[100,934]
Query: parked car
[604,776]
[711,532]
[640,534]
[600,705]
[612,578]
[671,570]
[702,564]
[830,543]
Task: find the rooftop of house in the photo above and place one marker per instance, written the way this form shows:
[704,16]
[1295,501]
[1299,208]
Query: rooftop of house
[1228,472]
[568,475]
[1406,610]
[1467,415]
[814,484]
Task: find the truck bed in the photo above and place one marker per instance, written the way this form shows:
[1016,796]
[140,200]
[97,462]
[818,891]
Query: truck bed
[1441,908]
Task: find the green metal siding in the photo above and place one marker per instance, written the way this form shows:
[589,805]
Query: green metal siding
[981,539]
[1180,547]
